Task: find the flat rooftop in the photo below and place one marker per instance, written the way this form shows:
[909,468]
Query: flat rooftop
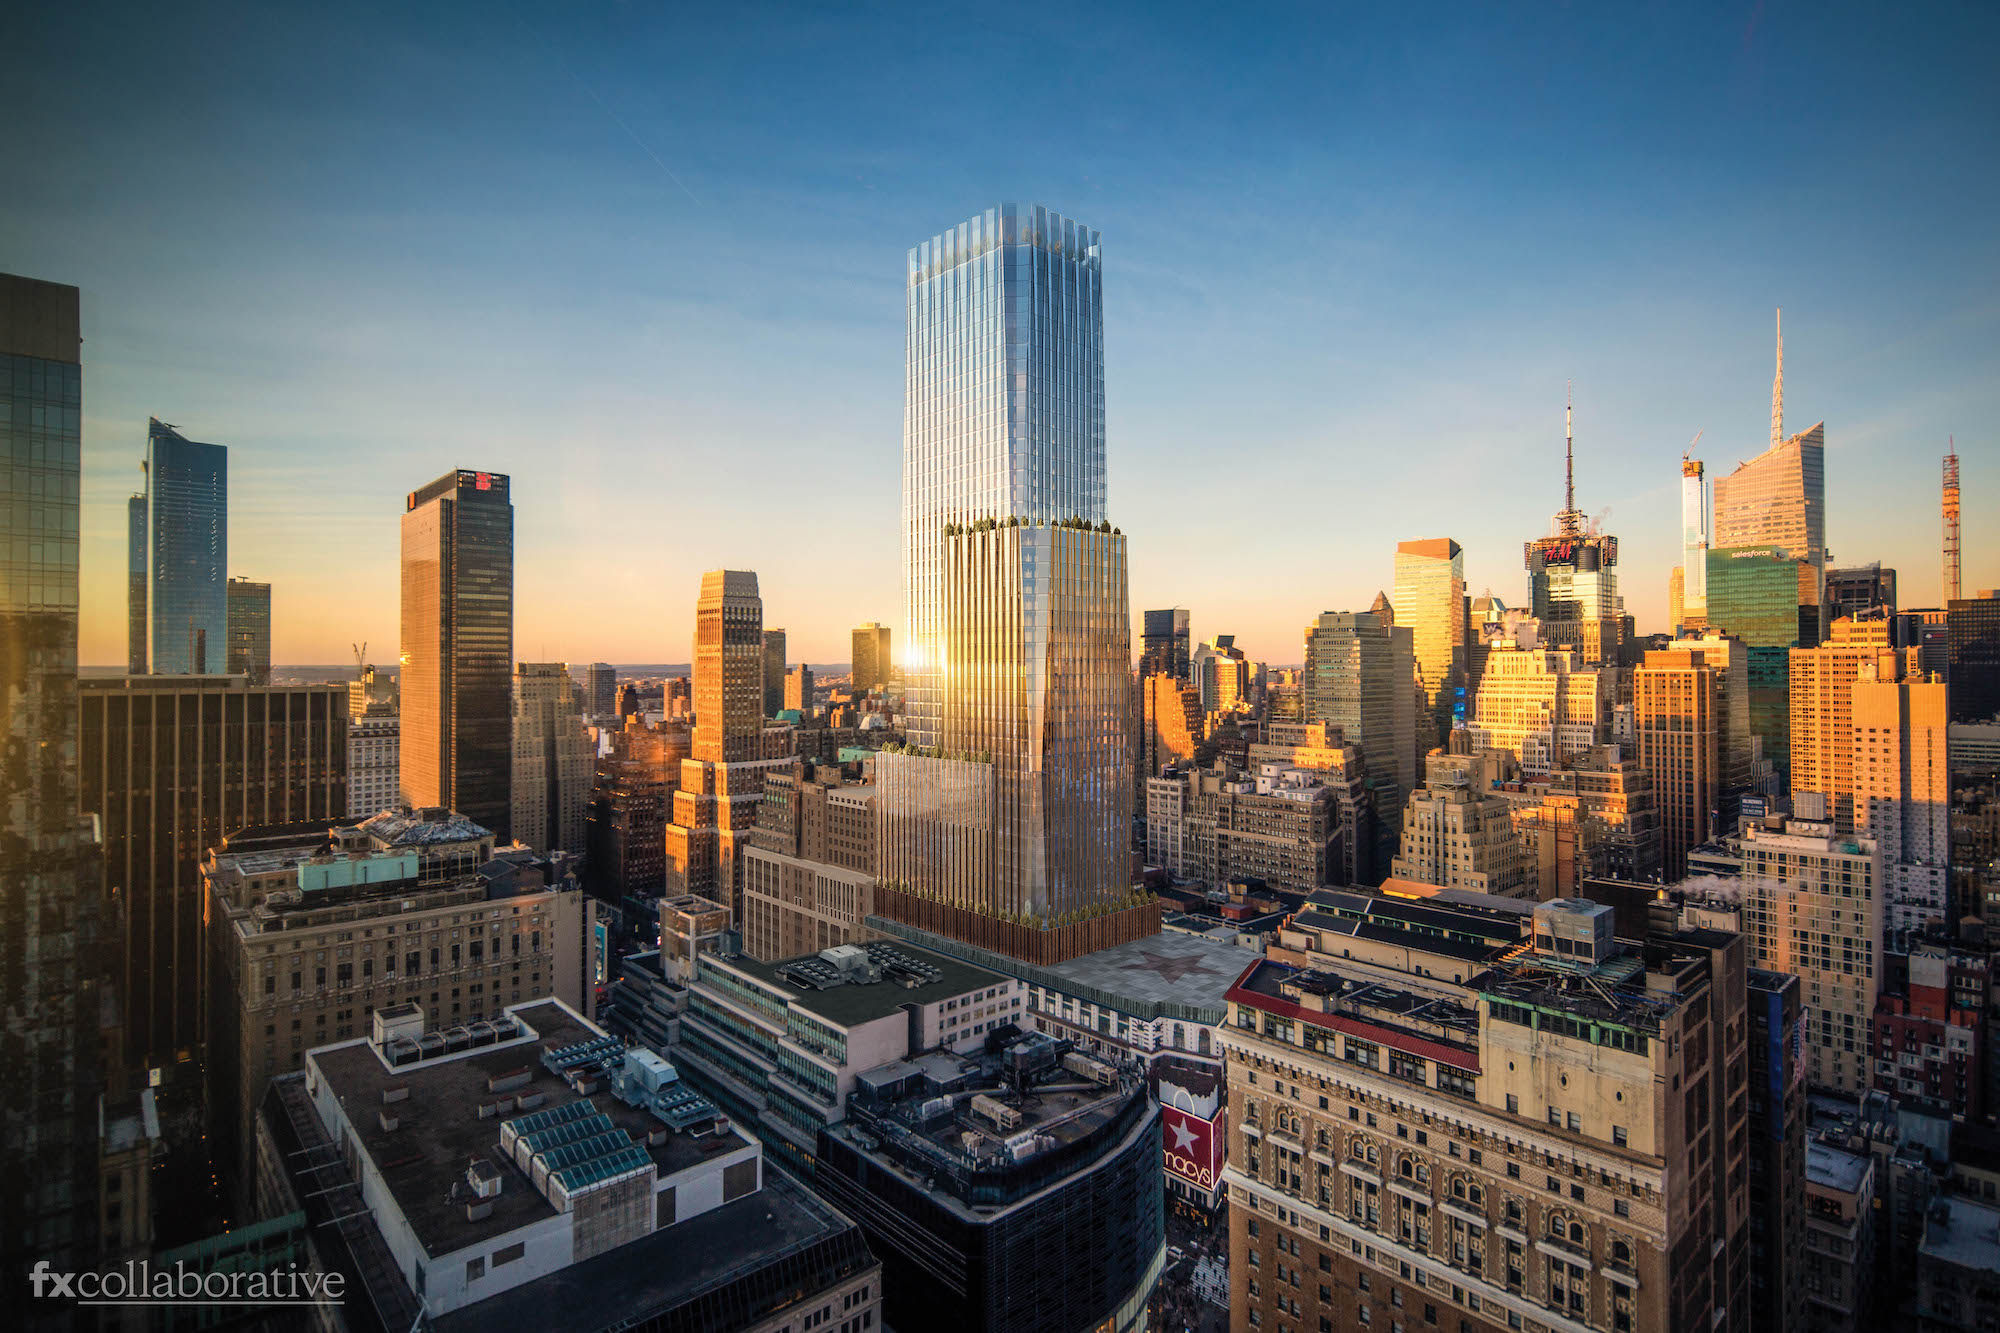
[423,1160]
[720,1273]
[1835,1168]
[1963,1233]
[850,1003]
[1168,968]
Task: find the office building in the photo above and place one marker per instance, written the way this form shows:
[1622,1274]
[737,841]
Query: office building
[1171,725]
[1752,597]
[588,1187]
[721,781]
[1864,592]
[600,690]
[1430,595]
[774,668]
[137,654]
[870,667]
[1693,611]
[187,530]
[1572,577]
[731,656]
[1677,729]
[416,924]
[374,760]
[1014,796]
[1778,499]
[1025,811]
[1595,819]
[1902,793]
[372,694]
[1972,648]
[1744,767]
[1539,704]
[1822,717]
[51,893]
[799,691]
[1164,644]
[1277,824]
[250,630]
[630,804]
[554,759]
[1221,674]
[1359,674]
[1777,1151]
[1478,1140]
[172,765]
[1459,834]
[1036,1204]
[809,869]
[457,664]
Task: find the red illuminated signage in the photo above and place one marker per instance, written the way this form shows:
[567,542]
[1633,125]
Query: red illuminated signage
[1193,1147]
[482,481]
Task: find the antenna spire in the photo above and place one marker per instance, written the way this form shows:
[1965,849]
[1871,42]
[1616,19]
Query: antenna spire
[1569,447]
[1778,388]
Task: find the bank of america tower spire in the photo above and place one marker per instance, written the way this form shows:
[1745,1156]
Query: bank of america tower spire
[1018,651]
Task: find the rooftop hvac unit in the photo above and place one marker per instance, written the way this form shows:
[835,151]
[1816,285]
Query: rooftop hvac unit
[484,1177]
[999,1113]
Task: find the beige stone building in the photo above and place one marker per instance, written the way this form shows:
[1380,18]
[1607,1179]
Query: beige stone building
[1541,704]
[312,929]
[810,867]
[1476,1113]
[1459,833]
[1822,703]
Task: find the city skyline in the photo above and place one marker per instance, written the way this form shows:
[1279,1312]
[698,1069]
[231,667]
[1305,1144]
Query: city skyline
[1402,348]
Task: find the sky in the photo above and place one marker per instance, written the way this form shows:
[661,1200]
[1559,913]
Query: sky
[648,260]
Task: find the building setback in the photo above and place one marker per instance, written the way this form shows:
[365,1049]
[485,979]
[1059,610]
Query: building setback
[172,765]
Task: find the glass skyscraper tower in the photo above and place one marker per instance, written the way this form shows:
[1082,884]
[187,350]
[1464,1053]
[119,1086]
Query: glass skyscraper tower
[1003,404]
[1014,806]
[187,508]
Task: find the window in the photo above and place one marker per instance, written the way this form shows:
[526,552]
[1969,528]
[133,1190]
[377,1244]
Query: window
[507,1254]
[1618,1135]
[475,1269]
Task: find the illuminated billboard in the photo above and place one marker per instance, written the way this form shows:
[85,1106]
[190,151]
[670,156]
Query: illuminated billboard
[1193,1146]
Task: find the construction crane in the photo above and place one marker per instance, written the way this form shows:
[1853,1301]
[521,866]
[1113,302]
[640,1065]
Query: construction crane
[360,657]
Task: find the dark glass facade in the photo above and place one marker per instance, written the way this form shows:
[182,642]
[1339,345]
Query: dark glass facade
[1972,637]
[187,506]
[172,765]
[136,655]
[1063,1243]
[1753,595]
[457,672]
[50,896]
[250,630]
[1164,645]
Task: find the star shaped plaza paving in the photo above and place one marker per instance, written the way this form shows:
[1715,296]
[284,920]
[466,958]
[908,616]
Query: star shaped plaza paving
[1169,967]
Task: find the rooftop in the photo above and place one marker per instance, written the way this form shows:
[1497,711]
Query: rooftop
[1418,1022]
[848,1003]
[1963,1233]
[423,828]
[722,1273]
[1836,1168]
[1171,967]
[439,1132]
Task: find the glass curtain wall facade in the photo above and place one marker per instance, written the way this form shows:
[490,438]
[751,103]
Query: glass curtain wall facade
[135,585]
[187,607]
[871,657]
[457,669]
[1753,596]
[250,630]
[1694,545]
[1430,600]
[1779,499]
[49,886]
[1164,650]
[1003,403]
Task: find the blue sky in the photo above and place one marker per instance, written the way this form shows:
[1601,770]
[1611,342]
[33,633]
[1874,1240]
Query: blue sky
[648,260]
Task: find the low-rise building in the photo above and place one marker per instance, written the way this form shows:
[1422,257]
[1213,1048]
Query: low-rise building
[1278,825]
[531,1170]
[1958,1268]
